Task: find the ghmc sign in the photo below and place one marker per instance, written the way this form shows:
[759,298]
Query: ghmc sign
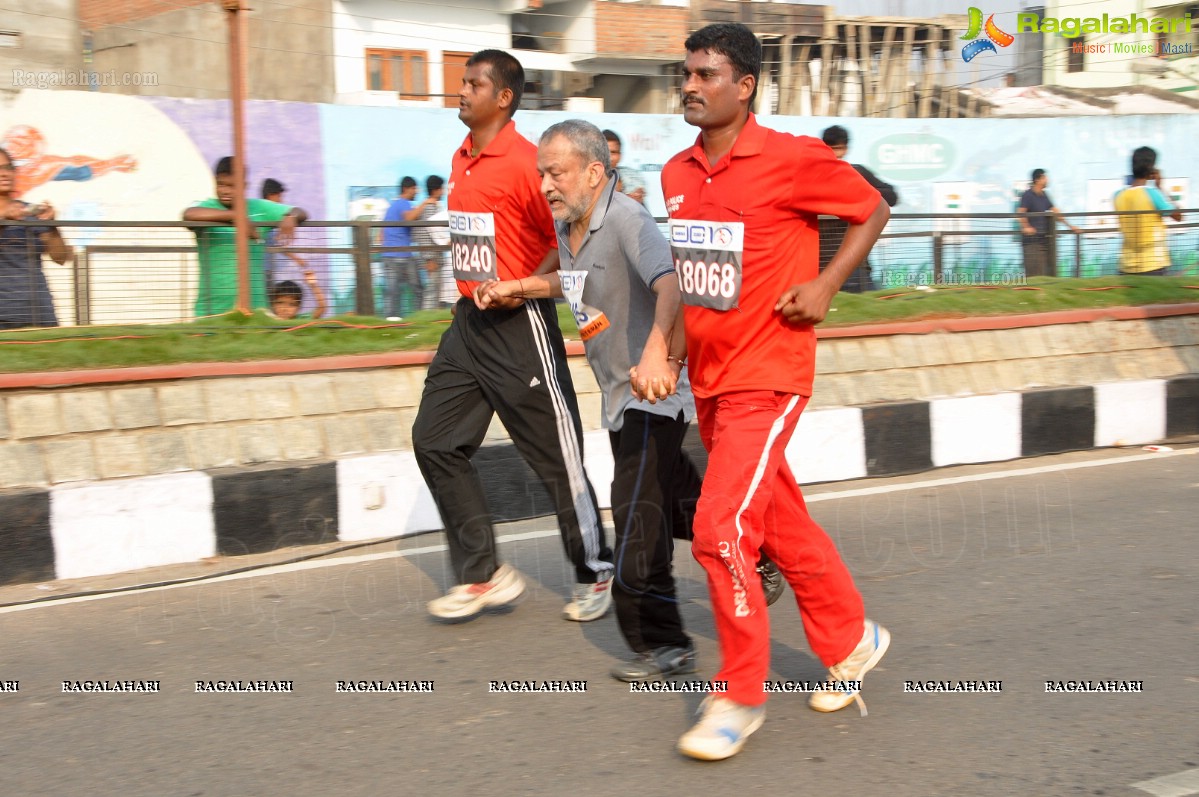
[912,156]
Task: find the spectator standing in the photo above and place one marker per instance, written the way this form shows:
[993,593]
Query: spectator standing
[832,229]
[628,181]
[272,191]
[1144,250]
[25,299]
[217,291]
[402,284]
[431,262]
[1039,242]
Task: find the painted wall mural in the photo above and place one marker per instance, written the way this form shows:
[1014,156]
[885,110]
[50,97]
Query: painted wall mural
[107,157]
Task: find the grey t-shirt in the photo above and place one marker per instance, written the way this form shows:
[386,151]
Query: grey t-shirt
[609,285]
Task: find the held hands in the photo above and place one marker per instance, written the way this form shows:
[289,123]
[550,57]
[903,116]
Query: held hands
[493,293]
[806,303]
[654,379]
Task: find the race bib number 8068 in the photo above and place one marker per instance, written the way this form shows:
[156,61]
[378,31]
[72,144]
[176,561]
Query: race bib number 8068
[707,260]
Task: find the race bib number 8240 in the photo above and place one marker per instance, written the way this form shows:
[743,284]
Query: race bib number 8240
[472,244]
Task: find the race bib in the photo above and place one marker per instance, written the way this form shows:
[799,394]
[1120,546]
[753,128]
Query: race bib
[472,244]
[591,322]
[707,260]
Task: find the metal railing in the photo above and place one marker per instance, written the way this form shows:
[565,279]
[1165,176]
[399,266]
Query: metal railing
[149,272]
[989,248]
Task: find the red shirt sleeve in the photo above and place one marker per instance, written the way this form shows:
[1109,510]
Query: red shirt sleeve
[829,186]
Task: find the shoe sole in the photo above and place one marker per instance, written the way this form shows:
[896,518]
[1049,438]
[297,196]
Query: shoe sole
[497,604]
[656,676]
[590,619]
[607,608]
[703,755]
[884,642]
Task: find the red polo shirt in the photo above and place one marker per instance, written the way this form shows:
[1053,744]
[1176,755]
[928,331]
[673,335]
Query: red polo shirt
[503,181]
[776,184]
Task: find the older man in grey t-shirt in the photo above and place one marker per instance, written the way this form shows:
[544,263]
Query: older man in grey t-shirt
[618,275]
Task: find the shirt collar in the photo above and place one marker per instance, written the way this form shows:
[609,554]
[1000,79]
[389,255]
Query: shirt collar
[499,145]
[750,141]
[604,203]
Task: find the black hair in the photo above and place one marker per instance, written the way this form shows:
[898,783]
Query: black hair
[271,186]
[835,136]
[281,290]
[225,167]
[1037,174]
[735,42]
[407,182]
[505,71]
[610,135]
[1144,161]
[433,182]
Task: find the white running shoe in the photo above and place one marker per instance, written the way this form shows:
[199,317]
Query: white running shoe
[875,641]
[589,601]
[722,730]
[467,600]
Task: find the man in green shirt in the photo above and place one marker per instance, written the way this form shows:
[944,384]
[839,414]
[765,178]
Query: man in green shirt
[217,291]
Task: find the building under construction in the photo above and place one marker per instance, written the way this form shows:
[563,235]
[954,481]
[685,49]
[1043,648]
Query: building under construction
[819,63]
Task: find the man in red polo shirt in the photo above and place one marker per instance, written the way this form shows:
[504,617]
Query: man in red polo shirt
[508,360]
[743,204]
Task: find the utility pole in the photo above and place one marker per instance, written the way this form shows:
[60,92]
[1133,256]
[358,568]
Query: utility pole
[236,14]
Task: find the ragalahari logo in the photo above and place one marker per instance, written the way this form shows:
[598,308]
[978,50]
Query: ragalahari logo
[987,43]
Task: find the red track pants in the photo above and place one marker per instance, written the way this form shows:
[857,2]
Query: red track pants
[750,501]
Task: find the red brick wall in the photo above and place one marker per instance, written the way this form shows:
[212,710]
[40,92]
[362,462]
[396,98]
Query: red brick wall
[98,13]
[640,29]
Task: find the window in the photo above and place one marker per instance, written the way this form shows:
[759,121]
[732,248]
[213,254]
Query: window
[1075,52]
[453,69]
[402,71]
[1178,41]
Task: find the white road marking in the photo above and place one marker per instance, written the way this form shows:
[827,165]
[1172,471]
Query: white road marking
[338,561]
[1005,474]
[1180,784]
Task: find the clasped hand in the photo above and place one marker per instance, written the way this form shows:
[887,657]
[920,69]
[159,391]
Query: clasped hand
[496,293]
[654,380]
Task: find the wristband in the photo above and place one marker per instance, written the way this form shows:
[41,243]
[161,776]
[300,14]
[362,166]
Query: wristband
[680,360]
